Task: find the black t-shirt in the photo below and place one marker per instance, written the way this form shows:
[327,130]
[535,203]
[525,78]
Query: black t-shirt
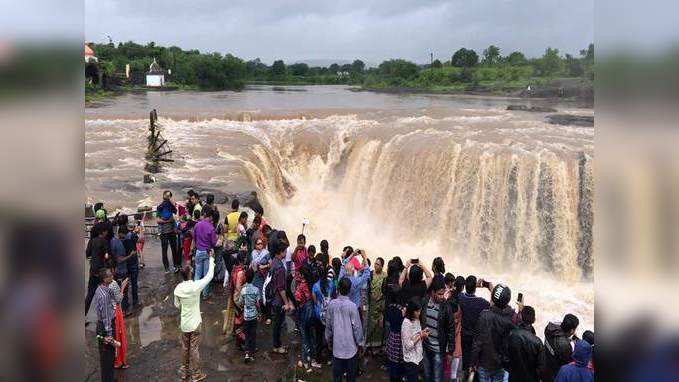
[96,249]
[391,289]
[215,215]
[414,290]
[130,244]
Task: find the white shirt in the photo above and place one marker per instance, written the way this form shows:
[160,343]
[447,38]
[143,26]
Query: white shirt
[412,352]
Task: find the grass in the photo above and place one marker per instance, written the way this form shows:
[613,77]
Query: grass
[96,94]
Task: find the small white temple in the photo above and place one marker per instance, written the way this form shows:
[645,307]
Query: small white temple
[156,75]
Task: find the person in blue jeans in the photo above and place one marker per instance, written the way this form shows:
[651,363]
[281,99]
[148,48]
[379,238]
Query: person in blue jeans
[279,302]
[344,333]
[130,244]
[305,313]
[438,319]
[249,299]
[205,239]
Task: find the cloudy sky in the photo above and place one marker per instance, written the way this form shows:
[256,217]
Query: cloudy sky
[373,30]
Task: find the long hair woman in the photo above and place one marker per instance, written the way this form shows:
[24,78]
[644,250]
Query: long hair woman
[305,312]
[394,317]
[234,315]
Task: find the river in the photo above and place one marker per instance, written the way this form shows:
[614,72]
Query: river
[501,194]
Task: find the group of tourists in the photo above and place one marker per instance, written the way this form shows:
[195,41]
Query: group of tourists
[115,252]
[416,321]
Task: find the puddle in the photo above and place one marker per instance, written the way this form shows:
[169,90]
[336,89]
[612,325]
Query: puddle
[144,329]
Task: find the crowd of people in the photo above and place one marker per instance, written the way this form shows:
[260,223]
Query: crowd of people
[416,321]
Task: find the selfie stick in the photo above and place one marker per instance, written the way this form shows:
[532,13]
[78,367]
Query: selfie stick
[304,223]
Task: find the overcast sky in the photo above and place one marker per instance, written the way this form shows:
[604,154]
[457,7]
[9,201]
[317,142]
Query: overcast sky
[370,30]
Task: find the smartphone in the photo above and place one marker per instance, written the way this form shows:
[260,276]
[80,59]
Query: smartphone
[414,261]
[519,298]
[485,284]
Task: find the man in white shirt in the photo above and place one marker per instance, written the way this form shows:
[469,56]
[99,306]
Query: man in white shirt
[187,299]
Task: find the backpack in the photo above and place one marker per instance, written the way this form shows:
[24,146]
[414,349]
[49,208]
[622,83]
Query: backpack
[166,213]
[268,294]
[219,266]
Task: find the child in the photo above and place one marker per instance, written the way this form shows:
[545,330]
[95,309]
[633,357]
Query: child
[141,238]
[186,237]
[412,336]
[242,243]
[300,256]
[250,301]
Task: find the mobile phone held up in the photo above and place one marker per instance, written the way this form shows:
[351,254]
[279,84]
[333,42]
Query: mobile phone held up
[519,298]
[485,284]
[414,261]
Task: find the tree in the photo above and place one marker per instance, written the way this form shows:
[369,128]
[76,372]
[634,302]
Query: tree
[464,58]
[256,69]
[588,54]
[550,64]
[278,68]
[334,68]
[574,66]
[437,64]
[491,55]
[516,59]
[357,66]
[588,61]
[398,69]
[299,69]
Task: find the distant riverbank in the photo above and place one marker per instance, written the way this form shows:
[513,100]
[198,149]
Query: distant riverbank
[575,90]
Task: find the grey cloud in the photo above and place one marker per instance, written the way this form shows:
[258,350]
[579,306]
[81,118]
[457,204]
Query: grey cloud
[370,30]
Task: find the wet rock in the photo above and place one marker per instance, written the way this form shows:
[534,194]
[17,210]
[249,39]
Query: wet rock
[535,109]
[570,119]
[148,178]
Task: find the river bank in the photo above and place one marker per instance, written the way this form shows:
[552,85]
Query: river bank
[577,91]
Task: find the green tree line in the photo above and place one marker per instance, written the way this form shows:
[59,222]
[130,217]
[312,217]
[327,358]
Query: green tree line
[467,69]
[464,68]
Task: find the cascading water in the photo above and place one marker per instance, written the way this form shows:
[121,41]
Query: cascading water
[492,203]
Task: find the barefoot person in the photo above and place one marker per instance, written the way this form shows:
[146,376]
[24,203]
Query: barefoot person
[187,299]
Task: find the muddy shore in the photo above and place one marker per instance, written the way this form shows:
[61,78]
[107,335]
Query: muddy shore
[154,347]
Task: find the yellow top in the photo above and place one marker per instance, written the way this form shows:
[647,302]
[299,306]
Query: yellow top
[232,231]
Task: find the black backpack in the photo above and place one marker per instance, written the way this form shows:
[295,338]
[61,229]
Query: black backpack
[268,294]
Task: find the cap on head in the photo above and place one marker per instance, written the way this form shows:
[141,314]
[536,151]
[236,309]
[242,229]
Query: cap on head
[501,295]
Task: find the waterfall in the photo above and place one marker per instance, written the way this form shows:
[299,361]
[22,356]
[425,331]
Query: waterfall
[497,203]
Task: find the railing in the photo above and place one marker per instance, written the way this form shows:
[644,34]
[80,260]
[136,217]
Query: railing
[149,229]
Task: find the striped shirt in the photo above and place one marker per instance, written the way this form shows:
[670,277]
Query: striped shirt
[104,302]
[432,341]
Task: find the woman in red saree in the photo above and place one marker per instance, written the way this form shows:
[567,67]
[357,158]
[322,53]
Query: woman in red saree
[120,361]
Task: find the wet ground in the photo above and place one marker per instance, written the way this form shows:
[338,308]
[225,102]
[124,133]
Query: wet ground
[154,348]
